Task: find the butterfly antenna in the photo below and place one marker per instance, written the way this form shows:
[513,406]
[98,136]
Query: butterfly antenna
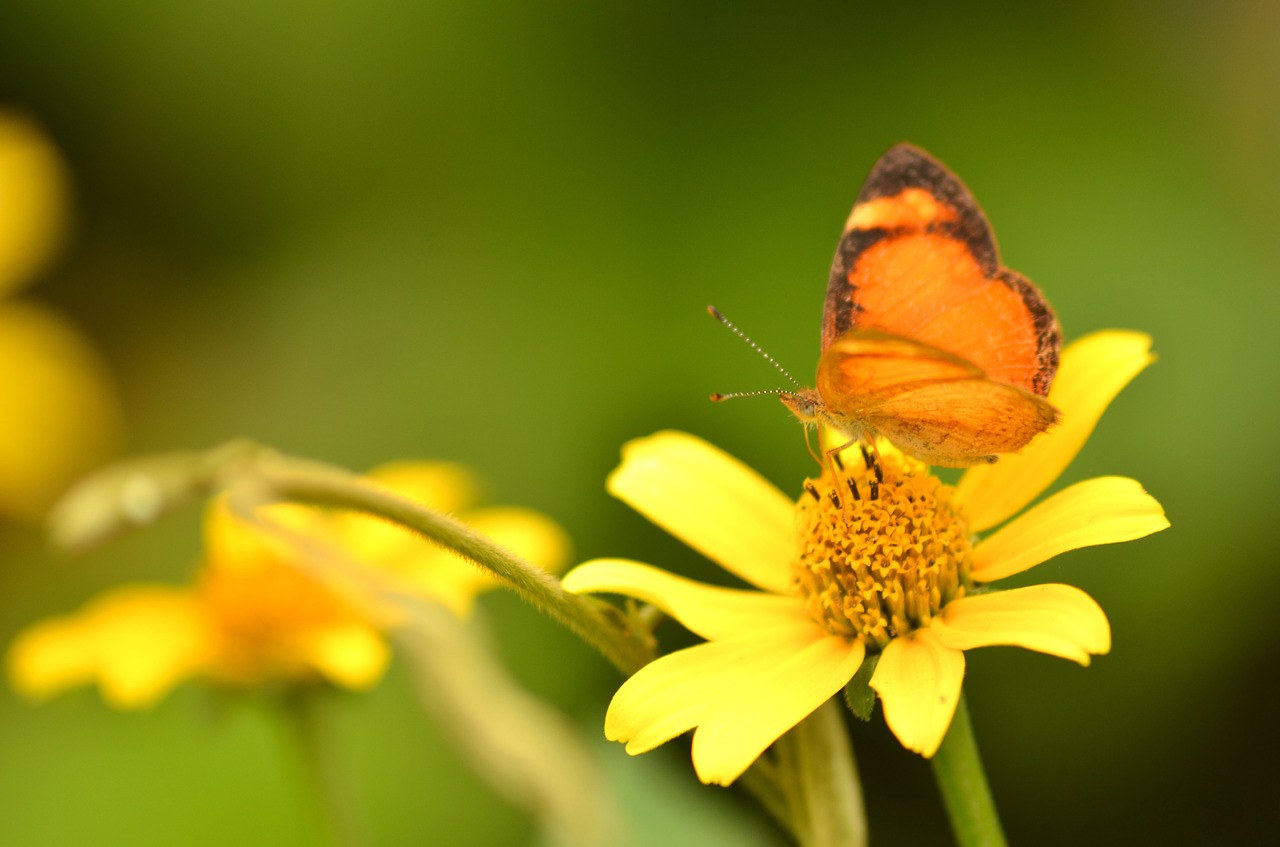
[772,392]
[715,313]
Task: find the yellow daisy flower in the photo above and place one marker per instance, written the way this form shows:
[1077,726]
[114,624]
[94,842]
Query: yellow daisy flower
[59,415]
[859,567]
[255,615]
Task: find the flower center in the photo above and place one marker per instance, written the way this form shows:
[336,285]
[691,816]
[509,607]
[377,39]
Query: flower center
[880,559]
[266,617]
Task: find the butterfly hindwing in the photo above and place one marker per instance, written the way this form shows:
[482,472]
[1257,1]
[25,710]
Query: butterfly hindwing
[928,402]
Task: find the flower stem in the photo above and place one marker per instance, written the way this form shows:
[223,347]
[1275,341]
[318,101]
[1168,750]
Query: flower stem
[329,787]
[963,783]
[821,781]
[321,485]
[761,781]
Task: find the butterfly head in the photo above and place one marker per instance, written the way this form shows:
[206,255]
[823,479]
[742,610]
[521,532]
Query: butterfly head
[805,403]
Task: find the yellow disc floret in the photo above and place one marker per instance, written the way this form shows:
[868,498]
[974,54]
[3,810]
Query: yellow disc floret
[878,559]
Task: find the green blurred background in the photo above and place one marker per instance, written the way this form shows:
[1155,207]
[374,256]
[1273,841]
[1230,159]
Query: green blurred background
[487,232]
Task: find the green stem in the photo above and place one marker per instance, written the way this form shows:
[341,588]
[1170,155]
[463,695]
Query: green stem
[761,781]
[963,783]
[320,485]
[821,777]
[320,763]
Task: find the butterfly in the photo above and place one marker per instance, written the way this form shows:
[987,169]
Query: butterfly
[927,340]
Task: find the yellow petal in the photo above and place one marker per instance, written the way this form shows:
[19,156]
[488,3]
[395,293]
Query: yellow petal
[681,690]
[1056,619]
[136,642]
[676,692]
[350,655]
[769,699]
[918,680]
[1092,372]
[710,611]
[1106,510]
[58,411]
[712,502]
[33,200]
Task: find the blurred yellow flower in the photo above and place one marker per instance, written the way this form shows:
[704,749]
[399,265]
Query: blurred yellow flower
[257,615]
[429,570]
[857,568]
[58,413]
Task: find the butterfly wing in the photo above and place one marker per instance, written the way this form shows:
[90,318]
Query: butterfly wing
[929,403]
[918,260]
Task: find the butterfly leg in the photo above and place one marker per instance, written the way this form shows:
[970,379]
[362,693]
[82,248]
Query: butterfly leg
[809,444]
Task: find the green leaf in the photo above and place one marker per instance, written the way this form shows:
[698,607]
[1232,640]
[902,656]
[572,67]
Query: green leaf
[858,694]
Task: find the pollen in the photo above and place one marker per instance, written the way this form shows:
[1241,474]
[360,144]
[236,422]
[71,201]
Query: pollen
[880,559]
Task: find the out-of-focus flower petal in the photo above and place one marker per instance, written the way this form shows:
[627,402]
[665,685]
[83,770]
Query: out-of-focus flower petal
[350,655]
[423,567]
[136,642]
[59,415]
[33,200]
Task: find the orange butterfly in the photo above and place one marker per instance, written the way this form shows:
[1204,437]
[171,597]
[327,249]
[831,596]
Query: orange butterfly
[926,339]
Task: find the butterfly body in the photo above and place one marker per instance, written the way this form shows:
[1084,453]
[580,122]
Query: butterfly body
[926,339]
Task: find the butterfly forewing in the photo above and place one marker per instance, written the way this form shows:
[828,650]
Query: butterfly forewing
[917,259]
